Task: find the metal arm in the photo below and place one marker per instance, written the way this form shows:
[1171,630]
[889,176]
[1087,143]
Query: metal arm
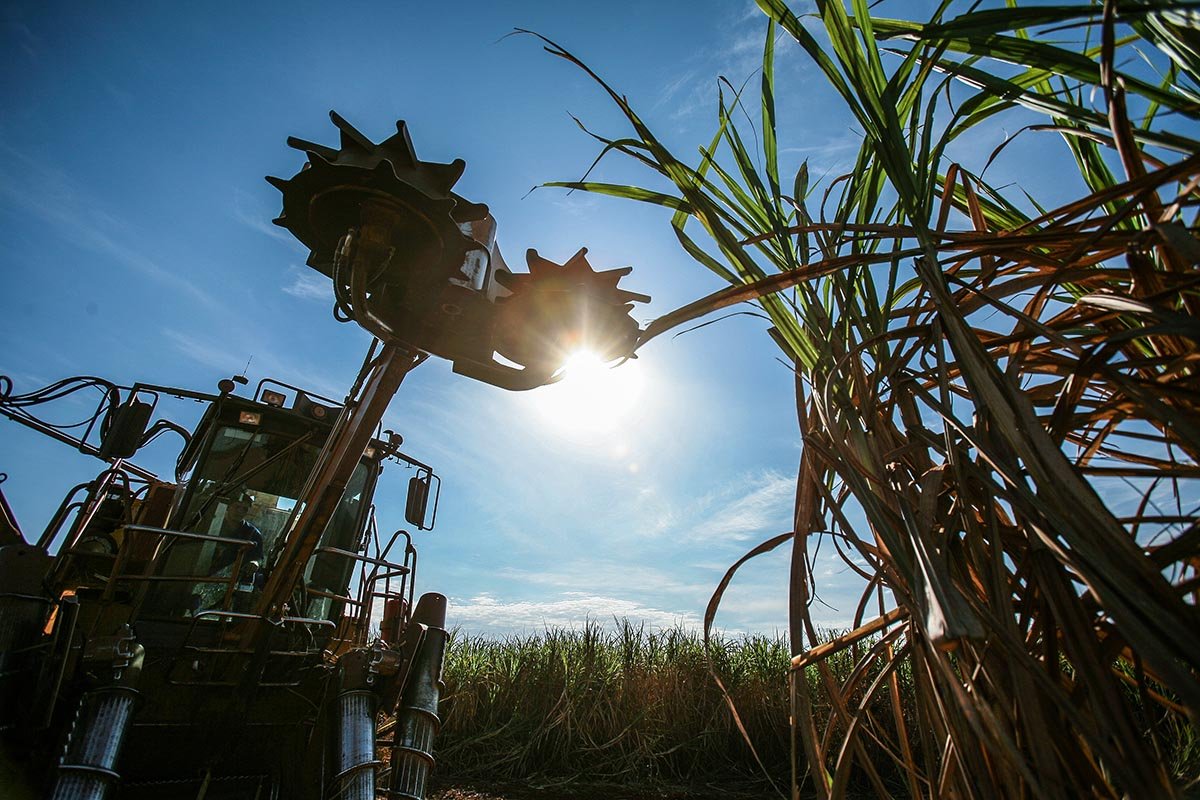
[335,465]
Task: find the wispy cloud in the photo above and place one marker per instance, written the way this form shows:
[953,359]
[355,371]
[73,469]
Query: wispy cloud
[576,204]
[48,194]
[206,353]
[830,156]
[829,147]
[26,39]
[672,89]
[736,54]
[229,356]
[123,97]
[24,381]
[760,503]
[254,216]
[761,612]
[749,11]
[309,285]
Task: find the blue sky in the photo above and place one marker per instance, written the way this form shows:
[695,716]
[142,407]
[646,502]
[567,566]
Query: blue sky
[138,246]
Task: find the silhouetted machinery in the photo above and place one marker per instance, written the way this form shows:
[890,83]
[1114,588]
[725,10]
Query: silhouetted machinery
[239,631]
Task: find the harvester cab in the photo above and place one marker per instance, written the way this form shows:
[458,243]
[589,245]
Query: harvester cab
[132,568]
[240,630]
[242,476]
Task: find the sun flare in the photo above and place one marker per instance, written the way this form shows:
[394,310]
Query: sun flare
[593,397]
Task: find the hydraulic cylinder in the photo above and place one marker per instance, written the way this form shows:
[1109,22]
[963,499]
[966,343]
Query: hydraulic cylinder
[88,768]
[417,721]
[356,745]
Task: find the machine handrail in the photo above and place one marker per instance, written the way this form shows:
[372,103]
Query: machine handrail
[148,575]
[379,562]
[236,649]
[205,537]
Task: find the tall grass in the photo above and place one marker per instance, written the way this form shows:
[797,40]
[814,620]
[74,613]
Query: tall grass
[638,707]
[976,369]
[623,704]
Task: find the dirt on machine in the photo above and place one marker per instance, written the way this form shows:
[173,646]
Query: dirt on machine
[240,628]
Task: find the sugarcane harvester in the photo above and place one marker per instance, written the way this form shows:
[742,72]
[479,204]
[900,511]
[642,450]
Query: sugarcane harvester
[239,631]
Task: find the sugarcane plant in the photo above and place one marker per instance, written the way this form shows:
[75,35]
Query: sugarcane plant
[974,372]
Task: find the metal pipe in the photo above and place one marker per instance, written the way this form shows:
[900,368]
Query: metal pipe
[88,768]
[64,509]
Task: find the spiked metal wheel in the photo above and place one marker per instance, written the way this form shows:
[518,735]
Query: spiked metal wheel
[557,309]
[401,209]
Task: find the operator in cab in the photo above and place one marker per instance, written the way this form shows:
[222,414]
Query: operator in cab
[235,525]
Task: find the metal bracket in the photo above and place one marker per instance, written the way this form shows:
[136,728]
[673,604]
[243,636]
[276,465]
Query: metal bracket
[116,651]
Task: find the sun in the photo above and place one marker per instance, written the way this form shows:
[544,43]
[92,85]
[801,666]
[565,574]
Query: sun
[593,397]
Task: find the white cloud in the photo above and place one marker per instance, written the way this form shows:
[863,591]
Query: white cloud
[624,577]
[309,284]
[673,88]
[487,613]
[27,40]
[760,503]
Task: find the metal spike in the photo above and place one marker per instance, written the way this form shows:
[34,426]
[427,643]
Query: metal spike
[634,297]
[315,159]
[401,144]
[281,221]
[537,264]
[608,279]
[350,135]
[384,168]
[278,183]
[328,153]
[466,211]
[578,262]
[447,174]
